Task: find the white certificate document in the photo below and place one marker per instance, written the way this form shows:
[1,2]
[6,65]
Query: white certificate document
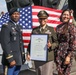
[38,47]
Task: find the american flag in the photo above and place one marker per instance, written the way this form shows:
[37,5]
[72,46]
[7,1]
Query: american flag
[29,20]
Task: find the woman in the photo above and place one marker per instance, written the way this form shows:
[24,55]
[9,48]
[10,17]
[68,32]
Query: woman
[64,53]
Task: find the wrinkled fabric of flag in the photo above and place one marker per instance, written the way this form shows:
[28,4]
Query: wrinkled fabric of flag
[25,18]
[29,20]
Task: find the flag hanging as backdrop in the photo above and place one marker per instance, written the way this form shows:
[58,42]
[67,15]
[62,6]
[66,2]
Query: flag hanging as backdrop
[29,20]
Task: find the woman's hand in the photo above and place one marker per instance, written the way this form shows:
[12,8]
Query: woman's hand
[67,60]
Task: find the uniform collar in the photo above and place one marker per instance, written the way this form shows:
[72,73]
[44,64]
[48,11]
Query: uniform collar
[43,27]
[14,22]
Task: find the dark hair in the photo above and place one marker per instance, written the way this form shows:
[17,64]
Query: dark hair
[65,28]
[63,12]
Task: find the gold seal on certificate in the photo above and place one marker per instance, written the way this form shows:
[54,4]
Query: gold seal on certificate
[38,47]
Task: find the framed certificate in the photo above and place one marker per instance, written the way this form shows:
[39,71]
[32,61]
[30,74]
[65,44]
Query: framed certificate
[38,47]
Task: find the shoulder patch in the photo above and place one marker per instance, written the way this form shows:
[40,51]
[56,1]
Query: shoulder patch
[6,24]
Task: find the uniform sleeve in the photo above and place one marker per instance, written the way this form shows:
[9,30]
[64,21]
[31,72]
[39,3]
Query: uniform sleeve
[23,51]
[5,42]
[54,37]
[22,45]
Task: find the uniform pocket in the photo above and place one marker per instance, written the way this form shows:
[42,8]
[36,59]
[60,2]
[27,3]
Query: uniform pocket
[13,36]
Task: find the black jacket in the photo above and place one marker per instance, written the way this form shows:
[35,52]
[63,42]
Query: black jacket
[12,45]
[47,3]
[72,5]
[18,3]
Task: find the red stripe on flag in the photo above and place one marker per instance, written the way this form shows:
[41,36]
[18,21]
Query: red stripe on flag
[26,41]
[53,20]
[45,8]
[26,34]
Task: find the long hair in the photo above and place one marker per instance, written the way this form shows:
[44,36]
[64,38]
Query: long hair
[65,28]
[63,13]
